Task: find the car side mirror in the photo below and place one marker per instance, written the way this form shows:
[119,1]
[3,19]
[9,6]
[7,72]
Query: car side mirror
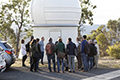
[2,49]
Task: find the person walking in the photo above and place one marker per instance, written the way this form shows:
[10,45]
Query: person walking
[35,53]
[22,54]
[60,47]
[39,49]
[42,50]
[84,56]
[78,45]
[50,51]
[96,57]
[28,48]
[71,54]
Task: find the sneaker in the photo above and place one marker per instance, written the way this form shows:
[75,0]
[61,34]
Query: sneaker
[24,65]
[63,72]
[73,71]
[77,68]
[84,71]
[31,70]
[42,63]
[69,71]
[36,71]
[58,72]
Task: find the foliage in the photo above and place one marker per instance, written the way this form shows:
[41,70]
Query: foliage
[29,33]
[87,13]
[7,33]
[95,33]
[103,44]
[114,51]
[114,29]
[18,10]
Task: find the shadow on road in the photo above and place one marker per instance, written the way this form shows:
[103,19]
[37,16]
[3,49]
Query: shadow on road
[23,73]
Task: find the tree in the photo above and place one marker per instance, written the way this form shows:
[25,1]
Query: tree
[7,33]
[20,16]
[114,30]
[103,44]
[29,33]
[99,30]
[87,13]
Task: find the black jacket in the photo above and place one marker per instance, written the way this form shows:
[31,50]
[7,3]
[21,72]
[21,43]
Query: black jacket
[71,48]
[91,46]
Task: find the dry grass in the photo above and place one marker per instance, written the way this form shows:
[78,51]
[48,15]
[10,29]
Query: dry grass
[109,62]
[104,62]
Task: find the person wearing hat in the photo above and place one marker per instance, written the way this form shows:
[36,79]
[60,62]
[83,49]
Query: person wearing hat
[96,57]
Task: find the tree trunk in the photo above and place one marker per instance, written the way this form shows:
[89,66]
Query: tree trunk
[5,38]
[17,45]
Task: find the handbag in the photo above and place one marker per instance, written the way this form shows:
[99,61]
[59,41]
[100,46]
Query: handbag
[61,55]
[37,55]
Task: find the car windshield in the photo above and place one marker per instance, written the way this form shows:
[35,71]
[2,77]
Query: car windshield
[7,46]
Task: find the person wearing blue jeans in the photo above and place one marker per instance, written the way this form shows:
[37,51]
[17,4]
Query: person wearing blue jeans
[71,54]
[91,62]
[91,54]
[58,64]
[85,61]
[60,47]
[51,57]
[83,55]
[50,51]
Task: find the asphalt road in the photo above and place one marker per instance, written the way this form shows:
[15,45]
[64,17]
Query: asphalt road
[23,73]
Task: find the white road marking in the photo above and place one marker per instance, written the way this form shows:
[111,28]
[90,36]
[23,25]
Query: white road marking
[106,76]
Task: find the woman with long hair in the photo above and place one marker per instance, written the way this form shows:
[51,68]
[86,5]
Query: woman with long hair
[22,54]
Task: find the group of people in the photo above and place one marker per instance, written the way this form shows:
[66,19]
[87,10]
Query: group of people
[87,54]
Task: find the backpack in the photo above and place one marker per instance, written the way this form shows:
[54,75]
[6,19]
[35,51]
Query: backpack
[94,50]
[27,47]
[49,49]
[86,48]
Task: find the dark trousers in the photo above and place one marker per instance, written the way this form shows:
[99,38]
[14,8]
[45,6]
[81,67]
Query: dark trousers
[30,59]
[34,63]
[23,59]
[79,61]
[42,55]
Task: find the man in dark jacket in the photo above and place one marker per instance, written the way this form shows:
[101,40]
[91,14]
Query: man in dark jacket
[71,53]
[91,55]
[39,49]
[50,51]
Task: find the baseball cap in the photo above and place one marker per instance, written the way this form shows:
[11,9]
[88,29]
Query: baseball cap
[95,40]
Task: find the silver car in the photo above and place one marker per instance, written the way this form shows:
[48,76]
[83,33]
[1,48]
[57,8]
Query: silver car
[8,53]
[2,61]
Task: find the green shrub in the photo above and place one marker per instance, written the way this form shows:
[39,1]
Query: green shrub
[114,51]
